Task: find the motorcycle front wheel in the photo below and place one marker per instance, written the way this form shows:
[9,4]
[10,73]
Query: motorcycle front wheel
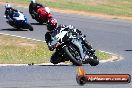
[94,60]
[73,55]
[29,26]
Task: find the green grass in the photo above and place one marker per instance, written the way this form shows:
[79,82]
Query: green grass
[17,50]
[110,7]
[102,55]
[14,50]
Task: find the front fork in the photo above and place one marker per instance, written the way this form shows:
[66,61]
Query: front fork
[80,43]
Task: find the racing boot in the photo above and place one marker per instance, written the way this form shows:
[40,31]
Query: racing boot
[55,58]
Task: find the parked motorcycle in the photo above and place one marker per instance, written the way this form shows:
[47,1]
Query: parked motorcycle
[18,20]
[71,46]
[39,12]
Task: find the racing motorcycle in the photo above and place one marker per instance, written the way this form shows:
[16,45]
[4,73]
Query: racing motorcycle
[18,20]
[41,13]
[71,46]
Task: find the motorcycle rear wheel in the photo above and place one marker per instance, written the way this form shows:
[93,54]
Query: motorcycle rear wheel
[40,21]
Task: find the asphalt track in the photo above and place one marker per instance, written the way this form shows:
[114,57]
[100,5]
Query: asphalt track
[109,35]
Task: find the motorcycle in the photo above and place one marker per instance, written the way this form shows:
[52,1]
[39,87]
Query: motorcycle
[71,46]
[18,20]
[41,14]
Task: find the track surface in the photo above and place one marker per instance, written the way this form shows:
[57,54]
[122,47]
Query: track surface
[109,35]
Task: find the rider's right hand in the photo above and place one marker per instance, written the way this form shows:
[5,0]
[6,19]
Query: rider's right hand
[51,48]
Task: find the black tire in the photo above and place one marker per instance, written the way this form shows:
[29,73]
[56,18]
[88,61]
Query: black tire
[29,26]
[40,21]
[94,61]
[55,58]
[71,58]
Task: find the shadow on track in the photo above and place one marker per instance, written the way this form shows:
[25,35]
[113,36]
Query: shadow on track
[59,85]
[49,64]
[12,29]
[38,24]
[128,50]
[55,65]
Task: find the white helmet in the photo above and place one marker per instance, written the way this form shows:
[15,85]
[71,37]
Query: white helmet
[33,1]
[7,6]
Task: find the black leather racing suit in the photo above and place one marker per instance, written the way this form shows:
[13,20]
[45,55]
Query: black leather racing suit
[55,58]
[9,12]
[32,9]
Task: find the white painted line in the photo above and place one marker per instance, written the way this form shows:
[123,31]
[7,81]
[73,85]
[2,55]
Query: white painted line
[13,65]
[22,37]
[50,64]
[43,64]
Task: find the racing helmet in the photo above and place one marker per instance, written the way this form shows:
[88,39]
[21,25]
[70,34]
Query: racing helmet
[7,6]
[33,1]
[51,24]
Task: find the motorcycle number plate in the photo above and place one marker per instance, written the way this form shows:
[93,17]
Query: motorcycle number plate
[61,35]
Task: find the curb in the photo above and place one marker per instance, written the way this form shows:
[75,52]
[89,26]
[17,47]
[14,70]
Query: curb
[114,57]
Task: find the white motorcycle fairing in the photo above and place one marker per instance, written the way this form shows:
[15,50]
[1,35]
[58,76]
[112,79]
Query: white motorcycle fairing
[20,17]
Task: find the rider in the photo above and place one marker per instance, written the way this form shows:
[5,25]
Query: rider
[34,6]
[9,12]
[52,27]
